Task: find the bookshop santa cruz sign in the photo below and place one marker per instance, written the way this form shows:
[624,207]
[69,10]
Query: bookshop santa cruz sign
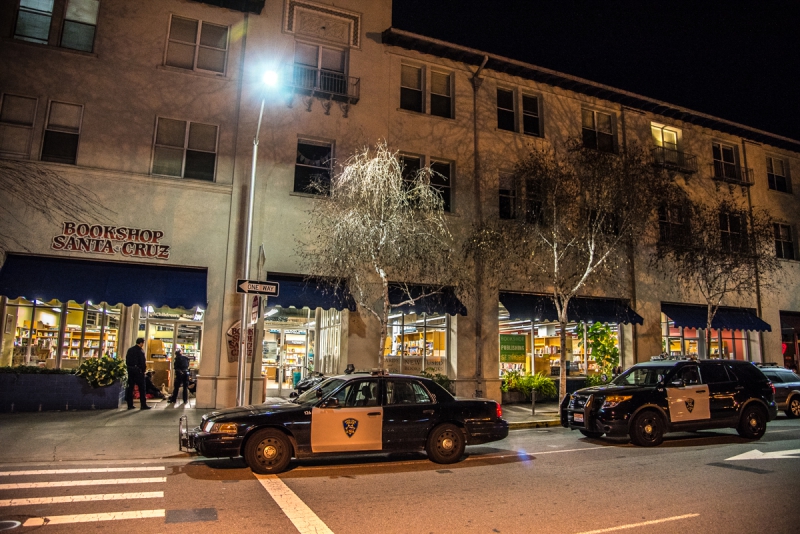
[111,240]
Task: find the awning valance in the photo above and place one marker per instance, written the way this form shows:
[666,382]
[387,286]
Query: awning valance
[300,292]
[64,279]
[694,316]
[434,301]
[580,309]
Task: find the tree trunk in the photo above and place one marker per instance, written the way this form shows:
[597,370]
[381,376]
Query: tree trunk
[709,318]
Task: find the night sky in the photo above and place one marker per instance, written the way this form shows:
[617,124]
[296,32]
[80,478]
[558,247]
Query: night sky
[734,59]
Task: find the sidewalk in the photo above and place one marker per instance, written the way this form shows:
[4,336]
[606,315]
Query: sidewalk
[135,435]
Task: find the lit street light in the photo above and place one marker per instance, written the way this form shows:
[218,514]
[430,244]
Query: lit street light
[270,79]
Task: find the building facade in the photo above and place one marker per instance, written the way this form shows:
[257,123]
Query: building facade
[126,144]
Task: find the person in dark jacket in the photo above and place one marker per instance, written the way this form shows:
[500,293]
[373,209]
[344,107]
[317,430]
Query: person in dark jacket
[137,364]
[181,367]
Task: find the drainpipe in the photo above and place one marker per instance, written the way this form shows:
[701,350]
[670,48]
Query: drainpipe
[476,85]
[755,263]
[631,261]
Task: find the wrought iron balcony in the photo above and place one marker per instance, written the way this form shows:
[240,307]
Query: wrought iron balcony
[324,84]
[677,160]
[731,173]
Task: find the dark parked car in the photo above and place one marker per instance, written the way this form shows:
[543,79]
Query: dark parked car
[350,413]
[787,388]
[660,396]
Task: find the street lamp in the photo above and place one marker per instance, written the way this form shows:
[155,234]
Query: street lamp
[270,79]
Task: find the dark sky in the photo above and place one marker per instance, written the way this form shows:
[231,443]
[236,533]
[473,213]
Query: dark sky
[735,59]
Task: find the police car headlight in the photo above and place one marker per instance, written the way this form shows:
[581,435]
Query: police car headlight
[221,428]
[614,400]
[207,426]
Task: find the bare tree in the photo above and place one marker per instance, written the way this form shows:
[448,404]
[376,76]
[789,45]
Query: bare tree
[718,245]
[575,214]
[378,226]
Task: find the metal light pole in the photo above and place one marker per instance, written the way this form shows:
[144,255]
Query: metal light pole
[270,78]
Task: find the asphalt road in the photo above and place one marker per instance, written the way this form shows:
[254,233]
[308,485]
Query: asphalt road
[537,480]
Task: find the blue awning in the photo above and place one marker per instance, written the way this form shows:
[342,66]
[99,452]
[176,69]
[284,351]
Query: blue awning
[694,316]
[64,279]
[440,300]
[297,291]
[526,306]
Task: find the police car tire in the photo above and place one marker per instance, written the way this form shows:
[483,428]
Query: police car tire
[590,434]
[753,423]
[278,456]
[647,429]
[445,444]
[793,407]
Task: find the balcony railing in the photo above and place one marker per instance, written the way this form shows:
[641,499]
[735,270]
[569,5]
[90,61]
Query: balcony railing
[673,159]
[324,83]
[731,173]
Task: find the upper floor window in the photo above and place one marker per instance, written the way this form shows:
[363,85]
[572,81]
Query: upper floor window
[664,137]
[73,28]
[508,196]
[507,117]
[777,176]
[197,45]
[530,115]
[519,199]
[62,132]
[671,221]
[16,125]
[185,149]
[440,176]
[598,130]
[784,245]
[726,159]
[312,170]
[731,227]
[413,94]
[320,68]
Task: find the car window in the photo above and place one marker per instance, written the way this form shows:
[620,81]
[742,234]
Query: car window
[713,373]
[746,371]
[358,393]
[324,387]
[689,375]
[641,376]
[406,392]
[792,377]
[776,378]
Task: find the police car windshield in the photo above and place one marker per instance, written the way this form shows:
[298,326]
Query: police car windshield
[326,386]
[642,376]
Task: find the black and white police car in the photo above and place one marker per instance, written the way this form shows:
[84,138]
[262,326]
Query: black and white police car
[660,396]
[353,413]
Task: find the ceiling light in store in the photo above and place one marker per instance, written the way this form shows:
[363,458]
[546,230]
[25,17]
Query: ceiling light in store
[272,312]
[395,316]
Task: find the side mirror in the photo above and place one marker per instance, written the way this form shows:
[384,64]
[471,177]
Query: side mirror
[293,394]
[678,383]
[333,402]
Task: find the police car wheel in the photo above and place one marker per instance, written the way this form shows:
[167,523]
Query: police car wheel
[590,434]
[647,429]
[753,423]
[793,408]
[268,451]
[445,444]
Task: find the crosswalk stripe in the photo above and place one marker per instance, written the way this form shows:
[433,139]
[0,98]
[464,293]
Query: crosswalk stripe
[88,518]
[76,471]
[303,518]
[68,483]
[82,498]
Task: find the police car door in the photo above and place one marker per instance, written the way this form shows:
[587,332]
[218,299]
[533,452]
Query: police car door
[353,422]
[688,398]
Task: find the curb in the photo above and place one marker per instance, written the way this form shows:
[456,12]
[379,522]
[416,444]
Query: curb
[534,424]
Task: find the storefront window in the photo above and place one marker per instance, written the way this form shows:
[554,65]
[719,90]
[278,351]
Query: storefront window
[416,343]
[691,342]
[287,348]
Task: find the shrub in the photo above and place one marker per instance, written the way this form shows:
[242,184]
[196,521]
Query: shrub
[597,380]
[543,385]
[102,371]
[439,378]
[34,370]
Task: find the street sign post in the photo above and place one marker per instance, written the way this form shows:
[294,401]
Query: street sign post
[254,287]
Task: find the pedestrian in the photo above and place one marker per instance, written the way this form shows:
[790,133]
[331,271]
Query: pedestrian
[136,363]
[181,367]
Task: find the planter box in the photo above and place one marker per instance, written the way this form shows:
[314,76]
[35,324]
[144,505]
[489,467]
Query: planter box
[33,393]
[513,397]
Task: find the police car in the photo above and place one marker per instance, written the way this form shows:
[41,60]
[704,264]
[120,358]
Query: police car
[353,413]
[660,396]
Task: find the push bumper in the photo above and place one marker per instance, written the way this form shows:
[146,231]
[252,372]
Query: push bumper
[208,445]
[604,423]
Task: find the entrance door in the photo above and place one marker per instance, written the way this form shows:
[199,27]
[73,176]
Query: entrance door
[688,402]
[355,425]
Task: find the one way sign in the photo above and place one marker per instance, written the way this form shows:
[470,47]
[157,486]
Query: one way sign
[254,287]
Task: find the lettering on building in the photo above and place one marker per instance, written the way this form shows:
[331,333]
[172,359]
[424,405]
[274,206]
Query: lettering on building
[111,240]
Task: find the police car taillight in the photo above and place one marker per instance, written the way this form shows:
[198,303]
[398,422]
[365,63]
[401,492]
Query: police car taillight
[500,410]
[772,387]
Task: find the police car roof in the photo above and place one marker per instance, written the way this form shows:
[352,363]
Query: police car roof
[660,363]
[367,374]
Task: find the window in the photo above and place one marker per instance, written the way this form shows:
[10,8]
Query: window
[405,392]
[508,196]
[784,246]
[671,220]
[16,125]
[731,227]
[714,373]
[666,140]
[597,130]
[197,45]
[62,132]
[312,170]
[413,95]
[440,180]
[358,393]
[530,115]
[411,166]
[185,149]
[321,68]
[725,166]
[76,31]
[505,110]
[776,175]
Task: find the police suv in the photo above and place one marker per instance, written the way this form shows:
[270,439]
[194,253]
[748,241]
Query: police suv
[660,396]
[353,413]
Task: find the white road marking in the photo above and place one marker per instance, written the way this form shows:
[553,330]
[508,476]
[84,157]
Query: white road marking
[303,518]
[566,450]
[82,498]
[642,524]
[88,518]
[68,483]
[756,454]
[76,471]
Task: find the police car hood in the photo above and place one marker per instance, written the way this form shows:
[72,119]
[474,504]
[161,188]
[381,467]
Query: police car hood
[610,389]
[258,409]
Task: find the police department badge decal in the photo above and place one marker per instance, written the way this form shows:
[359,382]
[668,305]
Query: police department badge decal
[350,426]
[690,405]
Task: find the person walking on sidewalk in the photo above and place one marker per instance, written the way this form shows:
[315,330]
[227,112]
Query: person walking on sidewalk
[181,367]
[136,363]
